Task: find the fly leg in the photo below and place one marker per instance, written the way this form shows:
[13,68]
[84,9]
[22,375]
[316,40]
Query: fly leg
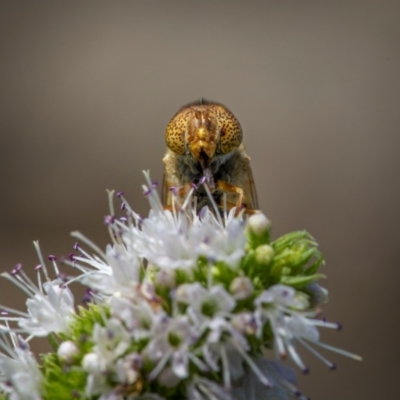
[247,211]
[227,187]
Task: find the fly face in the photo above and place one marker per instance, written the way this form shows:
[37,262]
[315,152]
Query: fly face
[204,143]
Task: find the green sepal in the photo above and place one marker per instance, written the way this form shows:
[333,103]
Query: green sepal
[53,342]
[86,318]
[313,268]
[299,282]
[62,382]
[290,239]
[293,252]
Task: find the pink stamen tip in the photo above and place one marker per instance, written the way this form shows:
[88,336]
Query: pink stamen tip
[38,267]
[76,246]
[22,344]
[87,298]
[52,257]
[109,219]
[120,194]
[16,269]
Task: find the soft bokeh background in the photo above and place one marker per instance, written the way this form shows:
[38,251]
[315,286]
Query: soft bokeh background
[87,89]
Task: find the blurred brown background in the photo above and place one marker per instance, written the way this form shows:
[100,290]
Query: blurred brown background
[87,89]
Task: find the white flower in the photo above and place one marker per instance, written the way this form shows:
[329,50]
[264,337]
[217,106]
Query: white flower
[110,343]
[204,389]
[282,379]
[271,305]
[177,239]
[283,310]
[170,341]
[204,304]
[51,312]
[50,305]
[216,241]
[138,316]
[20,377]
[118,272]
[163,240]
[219,348]
[230,347]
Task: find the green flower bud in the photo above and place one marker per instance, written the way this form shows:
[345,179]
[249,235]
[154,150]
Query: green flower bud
[264,254]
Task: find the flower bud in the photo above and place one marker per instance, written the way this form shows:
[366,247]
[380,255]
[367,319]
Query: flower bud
[91,363]
[264,254]
[125,371]
[167,378]
[182,293]
[165,278]
[258,228]
[245,323]
[318,294]
[67,352]
[241,288]
[259,224]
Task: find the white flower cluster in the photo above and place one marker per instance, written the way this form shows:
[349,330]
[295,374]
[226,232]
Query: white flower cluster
[180,313]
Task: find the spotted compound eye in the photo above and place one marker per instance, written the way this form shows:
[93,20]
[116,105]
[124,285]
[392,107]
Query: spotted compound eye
[231,134]
[175,133]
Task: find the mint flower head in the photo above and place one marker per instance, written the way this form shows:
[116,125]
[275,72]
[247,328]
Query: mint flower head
[183,304]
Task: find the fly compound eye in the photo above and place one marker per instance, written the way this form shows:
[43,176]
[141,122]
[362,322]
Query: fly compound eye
[175,133]
[231,134]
